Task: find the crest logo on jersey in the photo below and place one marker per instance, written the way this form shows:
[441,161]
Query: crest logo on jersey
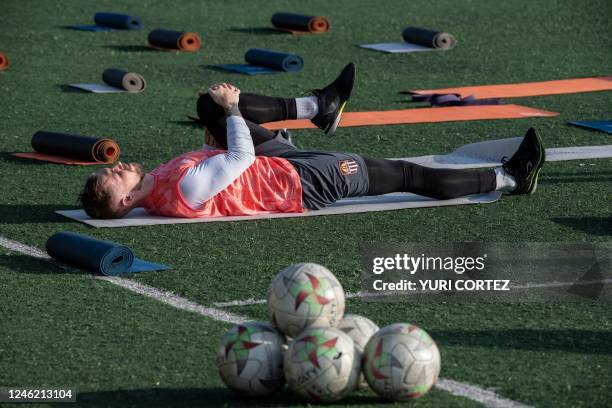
[348,167]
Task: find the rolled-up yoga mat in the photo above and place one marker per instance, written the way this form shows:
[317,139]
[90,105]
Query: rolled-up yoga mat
[85,148]
[429,38]
[300,22]
[98,256]
[118,21]
[273,59]
[4,61]
[130,81]
[175,40]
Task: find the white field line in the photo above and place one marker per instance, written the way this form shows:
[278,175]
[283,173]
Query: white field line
[166,297]
[24,249]
[365,294]
[560,284]
[171,299]
[486,397]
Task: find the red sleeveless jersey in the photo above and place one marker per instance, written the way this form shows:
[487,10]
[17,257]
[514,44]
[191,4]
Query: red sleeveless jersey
[269,185]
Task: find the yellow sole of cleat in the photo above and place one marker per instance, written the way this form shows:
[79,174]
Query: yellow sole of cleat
[534,184]
[332,129]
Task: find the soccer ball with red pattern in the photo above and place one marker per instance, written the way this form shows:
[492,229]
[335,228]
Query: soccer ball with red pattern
[321,365]
[360,329]
[250,358]
[305,295]
[401,362]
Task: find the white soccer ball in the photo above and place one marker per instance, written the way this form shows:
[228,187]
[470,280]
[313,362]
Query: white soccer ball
[401,362]
[250,358]
[305,295]
[360,329]
[321,365]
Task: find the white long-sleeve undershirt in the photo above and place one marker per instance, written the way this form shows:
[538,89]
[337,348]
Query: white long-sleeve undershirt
[209,177]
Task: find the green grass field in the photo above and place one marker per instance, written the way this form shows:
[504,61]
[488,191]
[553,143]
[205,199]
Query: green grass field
[120,349]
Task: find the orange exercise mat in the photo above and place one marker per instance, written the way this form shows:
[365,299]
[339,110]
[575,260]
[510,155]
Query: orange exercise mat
[563,86]
[299,24]
[422,115]
[4,61]
[67,148]
[55,159]
[170,40]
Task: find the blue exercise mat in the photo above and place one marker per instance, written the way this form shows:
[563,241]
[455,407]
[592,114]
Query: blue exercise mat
[601,125]
[110,22]
[98,256]
[262,61]
[248,69]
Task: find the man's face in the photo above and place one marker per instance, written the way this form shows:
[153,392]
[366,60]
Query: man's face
[120,179]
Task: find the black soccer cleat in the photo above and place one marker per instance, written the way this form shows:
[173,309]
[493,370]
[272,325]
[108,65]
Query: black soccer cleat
[332,100]
[525,165]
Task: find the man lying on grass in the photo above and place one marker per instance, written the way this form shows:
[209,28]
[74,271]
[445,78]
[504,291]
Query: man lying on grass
[257,171]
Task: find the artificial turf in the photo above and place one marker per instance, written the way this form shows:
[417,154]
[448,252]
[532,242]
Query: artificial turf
[546,356]
[498,42]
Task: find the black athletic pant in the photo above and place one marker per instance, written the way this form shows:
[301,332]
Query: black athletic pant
[390,176]
[385,176]
[255,109]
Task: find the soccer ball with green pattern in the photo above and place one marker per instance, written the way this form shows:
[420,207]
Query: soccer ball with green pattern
[321,364]
[360,329]
[250,358]
[401,362]
[305,295]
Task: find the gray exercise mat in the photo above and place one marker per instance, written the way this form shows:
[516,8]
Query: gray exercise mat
[473,155]
[397,48]
[387,202]
[492,153]
[98,88]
